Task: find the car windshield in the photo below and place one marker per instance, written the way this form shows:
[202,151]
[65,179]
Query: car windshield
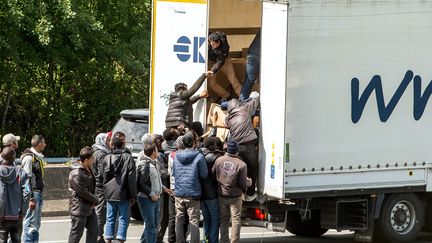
[133,129]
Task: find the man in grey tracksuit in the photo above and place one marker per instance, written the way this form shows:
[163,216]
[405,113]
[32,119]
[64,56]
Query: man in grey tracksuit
[149,186]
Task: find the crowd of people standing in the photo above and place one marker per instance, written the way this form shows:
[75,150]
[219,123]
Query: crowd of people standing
[176,176]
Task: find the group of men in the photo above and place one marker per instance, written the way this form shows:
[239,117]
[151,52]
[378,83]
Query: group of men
[203,176]
[21,189]
[176,176]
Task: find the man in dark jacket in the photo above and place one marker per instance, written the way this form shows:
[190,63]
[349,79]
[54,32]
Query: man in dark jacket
[169,147]
[82,199]
[101,150]
[218,54]
[162,165]
[14,196]
[209,199]
[239,122]
[231,175]
[189,167]
[180,111]
[119,181]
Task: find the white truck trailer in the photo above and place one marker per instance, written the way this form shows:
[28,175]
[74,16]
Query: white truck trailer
[345,120]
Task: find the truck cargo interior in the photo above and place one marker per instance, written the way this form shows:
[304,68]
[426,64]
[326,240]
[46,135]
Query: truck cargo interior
[240,20]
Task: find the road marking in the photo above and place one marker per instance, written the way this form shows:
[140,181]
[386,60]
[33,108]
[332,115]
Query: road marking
[56,221]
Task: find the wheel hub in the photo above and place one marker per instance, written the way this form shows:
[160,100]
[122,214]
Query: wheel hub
[402,217]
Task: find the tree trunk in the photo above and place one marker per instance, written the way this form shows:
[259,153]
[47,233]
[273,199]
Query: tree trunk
[8,100]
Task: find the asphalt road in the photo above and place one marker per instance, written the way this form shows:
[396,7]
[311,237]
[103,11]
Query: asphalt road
[56,230]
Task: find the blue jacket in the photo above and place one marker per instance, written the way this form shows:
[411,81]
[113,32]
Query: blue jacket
[189,167]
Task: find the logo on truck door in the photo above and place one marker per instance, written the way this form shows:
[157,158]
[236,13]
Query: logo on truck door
[184,51]
[384,111]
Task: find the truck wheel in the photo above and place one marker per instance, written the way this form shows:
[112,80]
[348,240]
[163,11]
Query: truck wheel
[401,218]
[135,212]
[310,228]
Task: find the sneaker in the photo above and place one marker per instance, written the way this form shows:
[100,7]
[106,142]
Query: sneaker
[250,198]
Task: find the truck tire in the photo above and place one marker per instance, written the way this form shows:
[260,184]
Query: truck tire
[311,228]
[135,212]
[401,219]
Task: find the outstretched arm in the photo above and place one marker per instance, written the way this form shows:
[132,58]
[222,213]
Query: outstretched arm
[188,93]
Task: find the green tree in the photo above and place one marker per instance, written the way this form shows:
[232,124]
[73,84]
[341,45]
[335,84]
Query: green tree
[69,66]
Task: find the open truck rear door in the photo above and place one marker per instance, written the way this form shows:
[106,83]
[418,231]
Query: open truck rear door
[273,147]
[179,30]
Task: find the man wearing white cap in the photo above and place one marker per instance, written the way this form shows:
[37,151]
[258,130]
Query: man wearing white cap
[10,140]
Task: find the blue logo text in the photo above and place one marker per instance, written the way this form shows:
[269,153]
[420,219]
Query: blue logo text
[384,111]
[182,49]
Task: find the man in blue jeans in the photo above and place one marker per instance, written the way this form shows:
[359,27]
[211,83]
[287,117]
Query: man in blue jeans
[33,164]
[252,66]
[149,187]
[212,150]
[119,183]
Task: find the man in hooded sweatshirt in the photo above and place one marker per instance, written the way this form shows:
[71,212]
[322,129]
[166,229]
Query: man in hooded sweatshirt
[119,182]
[188,168]
[100,150]
[239,122]
[14,197]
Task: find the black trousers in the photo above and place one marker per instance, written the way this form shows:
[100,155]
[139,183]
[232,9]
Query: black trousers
[101,214]
[78,225]
[171,219]
[164,213]
[249,154]
[12,228]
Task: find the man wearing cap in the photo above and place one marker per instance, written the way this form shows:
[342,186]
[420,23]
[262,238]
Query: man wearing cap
[239,122]
[10,140]
[231,175]
[180,111]
[33,164]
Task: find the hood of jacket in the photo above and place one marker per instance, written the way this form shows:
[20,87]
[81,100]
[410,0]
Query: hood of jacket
[169,146]
[100,143]
[116,161]
[8,174]
[187,156]
[75,165]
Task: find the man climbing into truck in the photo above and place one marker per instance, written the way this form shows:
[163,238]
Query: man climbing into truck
[239,122]
[180,111]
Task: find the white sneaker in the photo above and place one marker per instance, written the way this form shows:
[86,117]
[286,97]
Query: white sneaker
[250,198]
